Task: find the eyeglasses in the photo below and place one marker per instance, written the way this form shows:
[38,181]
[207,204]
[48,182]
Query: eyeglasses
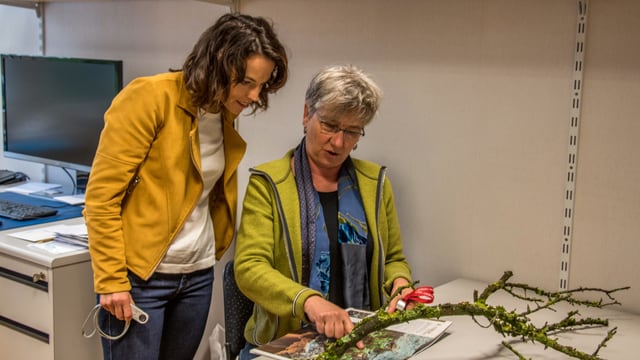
[332,129]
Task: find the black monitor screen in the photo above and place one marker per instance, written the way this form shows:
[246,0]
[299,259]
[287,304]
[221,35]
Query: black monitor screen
[53,108]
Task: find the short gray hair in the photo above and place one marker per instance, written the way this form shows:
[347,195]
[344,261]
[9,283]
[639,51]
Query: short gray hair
[343,89]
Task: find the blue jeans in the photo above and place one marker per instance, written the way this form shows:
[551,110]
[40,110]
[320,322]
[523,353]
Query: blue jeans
[178,306]
[245,354]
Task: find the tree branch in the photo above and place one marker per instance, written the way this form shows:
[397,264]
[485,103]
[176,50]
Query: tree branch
[508,323]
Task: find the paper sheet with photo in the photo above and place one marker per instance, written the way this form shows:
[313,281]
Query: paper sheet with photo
[430,328]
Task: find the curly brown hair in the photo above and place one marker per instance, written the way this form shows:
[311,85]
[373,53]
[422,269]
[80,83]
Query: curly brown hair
[218,60]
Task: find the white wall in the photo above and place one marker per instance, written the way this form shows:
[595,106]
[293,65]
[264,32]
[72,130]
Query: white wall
[20,31]
[474,124]
[20,34]
[474,128]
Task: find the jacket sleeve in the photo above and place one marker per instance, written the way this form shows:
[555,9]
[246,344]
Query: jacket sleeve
[130,127]
[262,267]
[396,265]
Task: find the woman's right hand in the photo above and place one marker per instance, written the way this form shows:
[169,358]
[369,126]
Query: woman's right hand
[118,304]
[329,319]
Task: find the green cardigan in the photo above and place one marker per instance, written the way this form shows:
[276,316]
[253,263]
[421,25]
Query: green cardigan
[268,246]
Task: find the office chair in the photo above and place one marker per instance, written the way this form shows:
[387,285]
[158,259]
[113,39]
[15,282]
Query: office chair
[237,310]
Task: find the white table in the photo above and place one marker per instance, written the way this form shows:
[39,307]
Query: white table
[466,340]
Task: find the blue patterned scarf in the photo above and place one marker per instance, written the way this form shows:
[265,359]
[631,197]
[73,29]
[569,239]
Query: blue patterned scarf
[352,225]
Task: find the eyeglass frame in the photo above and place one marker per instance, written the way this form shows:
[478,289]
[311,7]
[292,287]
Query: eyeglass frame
[331,129]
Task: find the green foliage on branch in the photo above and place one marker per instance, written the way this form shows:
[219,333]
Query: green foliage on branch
[508,323]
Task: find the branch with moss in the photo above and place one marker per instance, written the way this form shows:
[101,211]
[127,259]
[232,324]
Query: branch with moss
[508,323]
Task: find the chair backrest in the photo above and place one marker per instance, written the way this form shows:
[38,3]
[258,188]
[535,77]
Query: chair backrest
[237,311]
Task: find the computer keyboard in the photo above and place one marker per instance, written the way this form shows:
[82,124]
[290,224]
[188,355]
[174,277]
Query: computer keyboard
[20,211]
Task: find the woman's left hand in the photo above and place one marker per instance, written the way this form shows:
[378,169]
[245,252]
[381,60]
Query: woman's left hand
[410,296]
[393,304]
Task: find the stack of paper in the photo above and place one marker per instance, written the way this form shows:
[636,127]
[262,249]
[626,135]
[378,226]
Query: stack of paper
[72,234]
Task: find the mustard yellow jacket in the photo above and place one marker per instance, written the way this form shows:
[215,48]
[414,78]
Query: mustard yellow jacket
[146,178]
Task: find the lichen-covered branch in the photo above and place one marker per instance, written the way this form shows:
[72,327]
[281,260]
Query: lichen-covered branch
[508,323]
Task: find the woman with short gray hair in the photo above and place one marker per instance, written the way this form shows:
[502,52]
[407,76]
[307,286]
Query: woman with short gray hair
[319,231]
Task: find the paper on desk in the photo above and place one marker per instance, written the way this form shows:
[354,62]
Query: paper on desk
[71,199]
[48,233]
[77,229]
[32,187]
[34,235]
[57,247]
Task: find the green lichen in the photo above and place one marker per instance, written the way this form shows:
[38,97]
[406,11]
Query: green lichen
[508,323]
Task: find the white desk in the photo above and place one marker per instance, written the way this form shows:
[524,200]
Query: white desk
[466,340]
[45,298]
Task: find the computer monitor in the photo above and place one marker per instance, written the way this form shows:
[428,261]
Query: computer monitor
[53,108]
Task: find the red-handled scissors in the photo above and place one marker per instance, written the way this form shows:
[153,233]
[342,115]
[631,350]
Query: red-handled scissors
[422,294]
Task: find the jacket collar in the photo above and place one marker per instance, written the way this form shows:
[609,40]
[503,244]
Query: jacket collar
[184,98]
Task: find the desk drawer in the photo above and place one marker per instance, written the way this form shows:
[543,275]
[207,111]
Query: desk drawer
[16,345]
[24,301]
